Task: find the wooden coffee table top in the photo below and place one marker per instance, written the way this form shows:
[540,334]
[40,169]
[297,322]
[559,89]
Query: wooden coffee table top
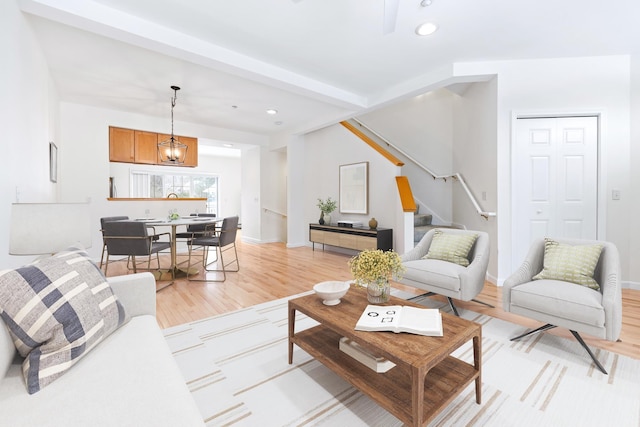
[414,350]
[426,377]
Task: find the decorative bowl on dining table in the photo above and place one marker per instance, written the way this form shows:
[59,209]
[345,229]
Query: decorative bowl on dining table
[331,291]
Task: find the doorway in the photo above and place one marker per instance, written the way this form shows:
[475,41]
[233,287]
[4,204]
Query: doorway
[555,180]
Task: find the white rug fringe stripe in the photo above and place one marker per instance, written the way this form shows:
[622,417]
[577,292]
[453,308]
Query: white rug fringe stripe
[236,368]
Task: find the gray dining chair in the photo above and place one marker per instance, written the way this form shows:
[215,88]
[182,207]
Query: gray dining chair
[195,230]
[104,243]
[131,239]
[223,240]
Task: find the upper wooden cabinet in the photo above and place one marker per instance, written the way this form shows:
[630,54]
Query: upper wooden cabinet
[137,146]
[146,150]
[121,145]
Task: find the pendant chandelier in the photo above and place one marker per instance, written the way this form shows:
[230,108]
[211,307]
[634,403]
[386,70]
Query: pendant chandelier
[172,151]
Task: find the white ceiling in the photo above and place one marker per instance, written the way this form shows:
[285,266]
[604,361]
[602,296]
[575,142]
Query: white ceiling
[315,61]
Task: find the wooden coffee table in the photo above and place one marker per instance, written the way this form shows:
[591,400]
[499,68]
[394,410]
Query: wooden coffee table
[426,377]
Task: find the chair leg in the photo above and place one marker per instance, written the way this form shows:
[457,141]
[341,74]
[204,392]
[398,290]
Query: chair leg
[483,303]
[453,307]
[104,248]
[593,357]
[575,334]
[540,329]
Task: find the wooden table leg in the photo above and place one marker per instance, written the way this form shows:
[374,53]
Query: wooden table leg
[477,363]
[292,327]
[417,395]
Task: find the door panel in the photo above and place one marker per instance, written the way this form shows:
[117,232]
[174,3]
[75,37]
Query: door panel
[555,177]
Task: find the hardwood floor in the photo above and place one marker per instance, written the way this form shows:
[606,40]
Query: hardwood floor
[271,271]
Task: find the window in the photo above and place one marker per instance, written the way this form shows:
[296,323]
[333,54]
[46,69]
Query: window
[158,185]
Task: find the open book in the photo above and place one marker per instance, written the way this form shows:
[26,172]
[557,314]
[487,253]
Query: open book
[399,318]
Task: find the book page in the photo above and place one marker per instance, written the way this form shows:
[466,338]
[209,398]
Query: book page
[423,321]
[379,318]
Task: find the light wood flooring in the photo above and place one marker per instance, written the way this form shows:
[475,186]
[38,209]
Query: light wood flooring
[271,271]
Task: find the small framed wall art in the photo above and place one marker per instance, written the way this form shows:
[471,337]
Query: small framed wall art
[354,188]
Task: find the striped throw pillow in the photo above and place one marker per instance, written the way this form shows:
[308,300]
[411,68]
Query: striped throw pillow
[569,263]
[451,247]
[57,309]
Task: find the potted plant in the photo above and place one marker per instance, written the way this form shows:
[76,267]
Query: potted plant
[326,207]
[374,268]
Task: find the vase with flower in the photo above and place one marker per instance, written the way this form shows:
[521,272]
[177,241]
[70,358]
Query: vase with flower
[374,269]
[326,207]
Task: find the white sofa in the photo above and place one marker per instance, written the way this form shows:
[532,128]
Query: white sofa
[129,379]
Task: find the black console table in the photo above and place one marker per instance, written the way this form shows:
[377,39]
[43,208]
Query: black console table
[357,238]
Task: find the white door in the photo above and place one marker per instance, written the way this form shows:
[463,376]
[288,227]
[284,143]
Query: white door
[555,185]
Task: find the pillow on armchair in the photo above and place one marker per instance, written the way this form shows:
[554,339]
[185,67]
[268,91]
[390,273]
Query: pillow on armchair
[57,309]
[451,247]
[570,263]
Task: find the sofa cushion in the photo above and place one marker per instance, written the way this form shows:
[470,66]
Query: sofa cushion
[57,309]
[130,379]
[451,247]
[570,263]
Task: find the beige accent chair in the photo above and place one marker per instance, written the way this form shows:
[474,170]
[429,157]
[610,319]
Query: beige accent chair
[447,278]
[568,305]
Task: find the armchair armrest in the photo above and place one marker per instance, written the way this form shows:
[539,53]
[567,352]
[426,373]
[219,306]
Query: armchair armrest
[609,281]
[531,266]
[136,292]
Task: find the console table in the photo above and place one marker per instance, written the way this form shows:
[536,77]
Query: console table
[357,238]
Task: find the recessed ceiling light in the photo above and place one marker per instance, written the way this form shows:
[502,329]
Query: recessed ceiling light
[426,29]
[277,123]
[227,145]
[272,111]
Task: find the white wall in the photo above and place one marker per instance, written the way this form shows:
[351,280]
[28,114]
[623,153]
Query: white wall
[85,168]
[475,158]
[559,86]
[324,151]
[29,112]
[422,128]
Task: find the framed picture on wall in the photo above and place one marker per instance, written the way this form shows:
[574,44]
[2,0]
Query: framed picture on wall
[354,188]
[53,162]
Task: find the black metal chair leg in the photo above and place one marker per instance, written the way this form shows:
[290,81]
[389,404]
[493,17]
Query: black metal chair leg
[453,307]
[540,329]
[593,357]
[483,303]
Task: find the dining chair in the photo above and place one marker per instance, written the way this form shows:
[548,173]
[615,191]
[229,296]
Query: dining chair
[102,222]
[223,240]
[131,239]
[195,230]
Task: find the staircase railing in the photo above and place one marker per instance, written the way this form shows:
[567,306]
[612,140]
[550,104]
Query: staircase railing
[456,176]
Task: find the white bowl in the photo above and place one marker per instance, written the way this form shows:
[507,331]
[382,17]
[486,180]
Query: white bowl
[331,292]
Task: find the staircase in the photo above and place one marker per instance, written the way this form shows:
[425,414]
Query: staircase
[421,225]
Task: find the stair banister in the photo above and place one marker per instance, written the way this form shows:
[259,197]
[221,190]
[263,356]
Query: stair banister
[458,177]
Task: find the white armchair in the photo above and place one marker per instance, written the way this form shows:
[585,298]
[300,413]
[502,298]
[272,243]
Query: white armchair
[447,278]
[565,304]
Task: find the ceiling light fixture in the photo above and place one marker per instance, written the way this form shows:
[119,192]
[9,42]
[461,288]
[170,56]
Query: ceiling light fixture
[425,3]
[272,111]
[172,151]
[426,29]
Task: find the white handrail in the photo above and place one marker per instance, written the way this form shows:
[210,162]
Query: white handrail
[458,177]
[275,212]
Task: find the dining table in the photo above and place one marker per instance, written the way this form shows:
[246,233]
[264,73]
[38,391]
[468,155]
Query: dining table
[174,224]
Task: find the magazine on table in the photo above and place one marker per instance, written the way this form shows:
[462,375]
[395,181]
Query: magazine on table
[401,318]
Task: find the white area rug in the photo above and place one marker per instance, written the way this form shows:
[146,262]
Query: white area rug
[236,367]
